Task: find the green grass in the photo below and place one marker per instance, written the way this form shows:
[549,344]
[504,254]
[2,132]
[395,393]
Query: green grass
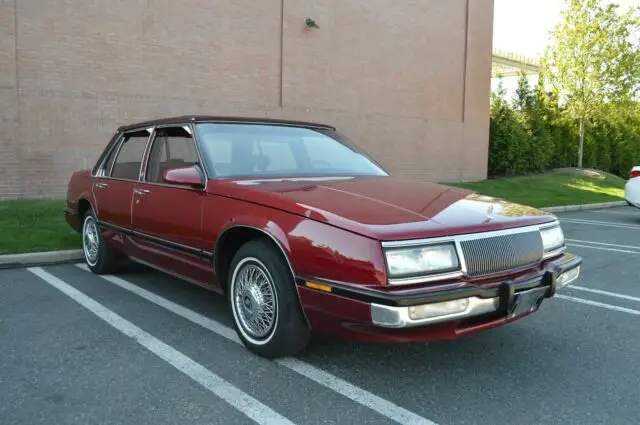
[35,225]
[553,189]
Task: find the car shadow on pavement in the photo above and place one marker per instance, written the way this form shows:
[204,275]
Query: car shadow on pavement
[496,364]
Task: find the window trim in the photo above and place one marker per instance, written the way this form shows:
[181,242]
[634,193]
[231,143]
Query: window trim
[144,155]
[147,155]
[116,147]
[100,167]
[98,164]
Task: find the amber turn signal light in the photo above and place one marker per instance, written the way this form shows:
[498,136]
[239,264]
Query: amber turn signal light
[318,286]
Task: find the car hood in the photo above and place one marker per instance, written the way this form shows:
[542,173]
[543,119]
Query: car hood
[385,208]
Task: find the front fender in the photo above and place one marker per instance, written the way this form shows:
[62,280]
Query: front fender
[313,249]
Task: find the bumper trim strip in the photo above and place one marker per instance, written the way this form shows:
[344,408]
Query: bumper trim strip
[568,261]
[381,314]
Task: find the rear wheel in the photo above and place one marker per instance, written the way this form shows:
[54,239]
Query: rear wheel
[264,302]
[98,255]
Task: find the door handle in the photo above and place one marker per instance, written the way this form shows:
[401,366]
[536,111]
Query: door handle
[101,185]
[141,191]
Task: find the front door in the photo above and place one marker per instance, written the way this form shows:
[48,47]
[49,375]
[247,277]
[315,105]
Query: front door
[167,219]
[113,186]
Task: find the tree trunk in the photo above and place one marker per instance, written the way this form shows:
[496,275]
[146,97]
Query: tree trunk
[581,143]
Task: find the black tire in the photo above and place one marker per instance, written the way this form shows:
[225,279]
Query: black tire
[106,259]
[289,333]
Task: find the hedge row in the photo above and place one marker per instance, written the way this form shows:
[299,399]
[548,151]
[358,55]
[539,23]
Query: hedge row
[529,134]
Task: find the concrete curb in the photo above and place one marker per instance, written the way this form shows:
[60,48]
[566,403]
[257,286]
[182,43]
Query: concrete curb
[586,207]
[40,258]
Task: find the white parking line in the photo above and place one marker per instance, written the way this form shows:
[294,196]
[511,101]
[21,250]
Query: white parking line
[326,379]
[626,214]
[603,244]
[607,293]
[246,404]
[600,223]
[598,304]
[602,248]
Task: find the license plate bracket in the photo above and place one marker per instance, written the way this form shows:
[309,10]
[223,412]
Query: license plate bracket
[527,301]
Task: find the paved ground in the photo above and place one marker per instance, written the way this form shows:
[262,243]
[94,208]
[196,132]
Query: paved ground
[76,348]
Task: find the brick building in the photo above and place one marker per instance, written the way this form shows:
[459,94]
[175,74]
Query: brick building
[408,80]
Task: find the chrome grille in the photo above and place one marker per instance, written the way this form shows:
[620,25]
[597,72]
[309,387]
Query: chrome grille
[501,253]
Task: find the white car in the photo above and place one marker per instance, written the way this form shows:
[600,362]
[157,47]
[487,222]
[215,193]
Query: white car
[632,188]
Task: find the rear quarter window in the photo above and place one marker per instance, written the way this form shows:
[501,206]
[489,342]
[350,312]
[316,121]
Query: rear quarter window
[129,156]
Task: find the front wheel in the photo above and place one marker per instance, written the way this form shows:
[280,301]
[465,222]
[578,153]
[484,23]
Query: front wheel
[266,312]
[98,255]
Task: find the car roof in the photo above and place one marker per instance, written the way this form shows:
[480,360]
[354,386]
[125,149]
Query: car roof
[221,119]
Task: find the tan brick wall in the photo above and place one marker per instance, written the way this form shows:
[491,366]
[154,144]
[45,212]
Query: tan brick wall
[409,82]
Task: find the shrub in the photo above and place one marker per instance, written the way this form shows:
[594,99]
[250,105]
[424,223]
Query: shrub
[529,134]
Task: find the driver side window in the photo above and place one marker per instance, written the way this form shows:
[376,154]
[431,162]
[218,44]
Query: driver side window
[173,147]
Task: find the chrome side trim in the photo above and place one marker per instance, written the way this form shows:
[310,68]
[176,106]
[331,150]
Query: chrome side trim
[398,317]
[165,243]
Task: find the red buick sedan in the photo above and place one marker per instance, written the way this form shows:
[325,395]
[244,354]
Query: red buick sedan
[303,232]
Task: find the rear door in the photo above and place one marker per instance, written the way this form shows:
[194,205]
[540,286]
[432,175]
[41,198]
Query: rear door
[167,219]
[114,182]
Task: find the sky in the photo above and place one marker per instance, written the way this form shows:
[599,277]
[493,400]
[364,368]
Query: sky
[523,26]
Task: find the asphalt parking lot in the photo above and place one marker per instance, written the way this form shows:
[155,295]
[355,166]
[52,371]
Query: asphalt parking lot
[145,348]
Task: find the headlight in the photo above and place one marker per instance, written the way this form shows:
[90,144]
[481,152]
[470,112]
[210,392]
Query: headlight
[552,238]
[423,260]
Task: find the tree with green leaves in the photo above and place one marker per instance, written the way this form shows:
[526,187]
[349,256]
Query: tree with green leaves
[592,60]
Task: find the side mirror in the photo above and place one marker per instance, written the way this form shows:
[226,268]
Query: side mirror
[186,176]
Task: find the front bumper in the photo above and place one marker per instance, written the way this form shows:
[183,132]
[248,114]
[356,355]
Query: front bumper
[383,314]
[509,298]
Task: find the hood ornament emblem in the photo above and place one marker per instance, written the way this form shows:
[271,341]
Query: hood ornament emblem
[489,212]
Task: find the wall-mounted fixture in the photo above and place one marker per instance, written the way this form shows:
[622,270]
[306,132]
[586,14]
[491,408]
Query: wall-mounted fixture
[310,23]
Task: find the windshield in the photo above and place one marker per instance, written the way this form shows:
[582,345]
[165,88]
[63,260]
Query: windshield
[255,150]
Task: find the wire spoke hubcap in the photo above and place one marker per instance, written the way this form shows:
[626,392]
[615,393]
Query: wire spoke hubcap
[254,299]
[90,240]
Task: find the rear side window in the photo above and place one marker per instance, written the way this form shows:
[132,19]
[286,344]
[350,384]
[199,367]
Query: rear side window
[129,157]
